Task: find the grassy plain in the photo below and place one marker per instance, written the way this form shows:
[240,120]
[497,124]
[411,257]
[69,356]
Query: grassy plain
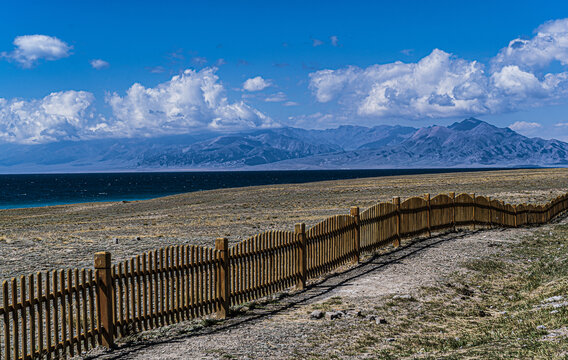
[67,236]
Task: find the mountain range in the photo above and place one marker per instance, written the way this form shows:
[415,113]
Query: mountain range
[469,143]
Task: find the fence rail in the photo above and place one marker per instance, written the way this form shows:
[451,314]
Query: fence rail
[65,312]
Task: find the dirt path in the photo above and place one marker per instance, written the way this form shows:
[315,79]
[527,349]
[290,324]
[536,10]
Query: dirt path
[283,329]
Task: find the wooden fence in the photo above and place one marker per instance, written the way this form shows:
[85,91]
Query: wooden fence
[62,313]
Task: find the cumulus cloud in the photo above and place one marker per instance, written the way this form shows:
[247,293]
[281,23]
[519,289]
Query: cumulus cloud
[438,85]
[524,126]
[61,115]
[256,84]
[190,101]
[99,64]
[29,49]
[549,44]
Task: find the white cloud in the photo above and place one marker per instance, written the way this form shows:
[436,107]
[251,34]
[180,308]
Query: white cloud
[278,97]
[334,40]
[562,124]
[29,49]
[290,103]
[256,84]
[316,42]
[190,101]
[549,44]
[59,116]
[439,85]
[524,126]
[99,64]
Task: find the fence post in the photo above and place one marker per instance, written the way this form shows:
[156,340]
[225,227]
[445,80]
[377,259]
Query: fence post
[473,213]
[105,294]
[223,283]
[300,230]
[355,213]
[453,197]
[428,214]
[396,201]
[489,211]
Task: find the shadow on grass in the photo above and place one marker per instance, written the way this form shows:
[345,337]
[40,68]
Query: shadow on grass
[312,293]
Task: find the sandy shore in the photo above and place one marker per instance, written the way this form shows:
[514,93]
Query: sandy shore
[64,236]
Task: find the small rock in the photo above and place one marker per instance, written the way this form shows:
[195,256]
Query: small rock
[138,238]
[332,315]
[554,311]
[316,314]
[541,327]
[371,317]
[116,240]
[390,339]
[380,321]
[402,297]
[354,313]
[554,298]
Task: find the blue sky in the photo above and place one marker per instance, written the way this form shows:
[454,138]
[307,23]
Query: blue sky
[78,70]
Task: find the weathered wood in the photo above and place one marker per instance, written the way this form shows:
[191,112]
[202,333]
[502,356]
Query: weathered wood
[40,312]
[6,320]
[223,284]
[300,230]
[357,245]
[105,295]
[396,202]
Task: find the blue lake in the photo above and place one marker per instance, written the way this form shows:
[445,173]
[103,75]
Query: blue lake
[17,191]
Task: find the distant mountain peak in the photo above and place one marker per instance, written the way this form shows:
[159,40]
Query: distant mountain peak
[465,125]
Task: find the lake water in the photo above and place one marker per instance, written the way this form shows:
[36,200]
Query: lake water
[17,191]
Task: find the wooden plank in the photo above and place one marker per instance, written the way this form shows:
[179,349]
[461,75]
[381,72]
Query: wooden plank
[70,307]
[63,312]
[181,289]
[31,298]
[199,281]
[6,320]
[140,316]
[188,281]
[91,306]
[24,318]
[151,289]
[167,285]
[193,298]
[178,285]
[143,275]
[133,304]
[40,312]
[158,287]
[119,291]
[77,310]
[84,304]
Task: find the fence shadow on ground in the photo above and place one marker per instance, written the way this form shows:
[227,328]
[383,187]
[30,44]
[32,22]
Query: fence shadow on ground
[312,293]
[62,313]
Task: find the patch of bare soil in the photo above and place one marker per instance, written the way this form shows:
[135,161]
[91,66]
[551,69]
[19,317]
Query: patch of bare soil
[354,304]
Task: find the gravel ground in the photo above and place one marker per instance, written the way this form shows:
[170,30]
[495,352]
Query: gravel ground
[47,238]
[283,329]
